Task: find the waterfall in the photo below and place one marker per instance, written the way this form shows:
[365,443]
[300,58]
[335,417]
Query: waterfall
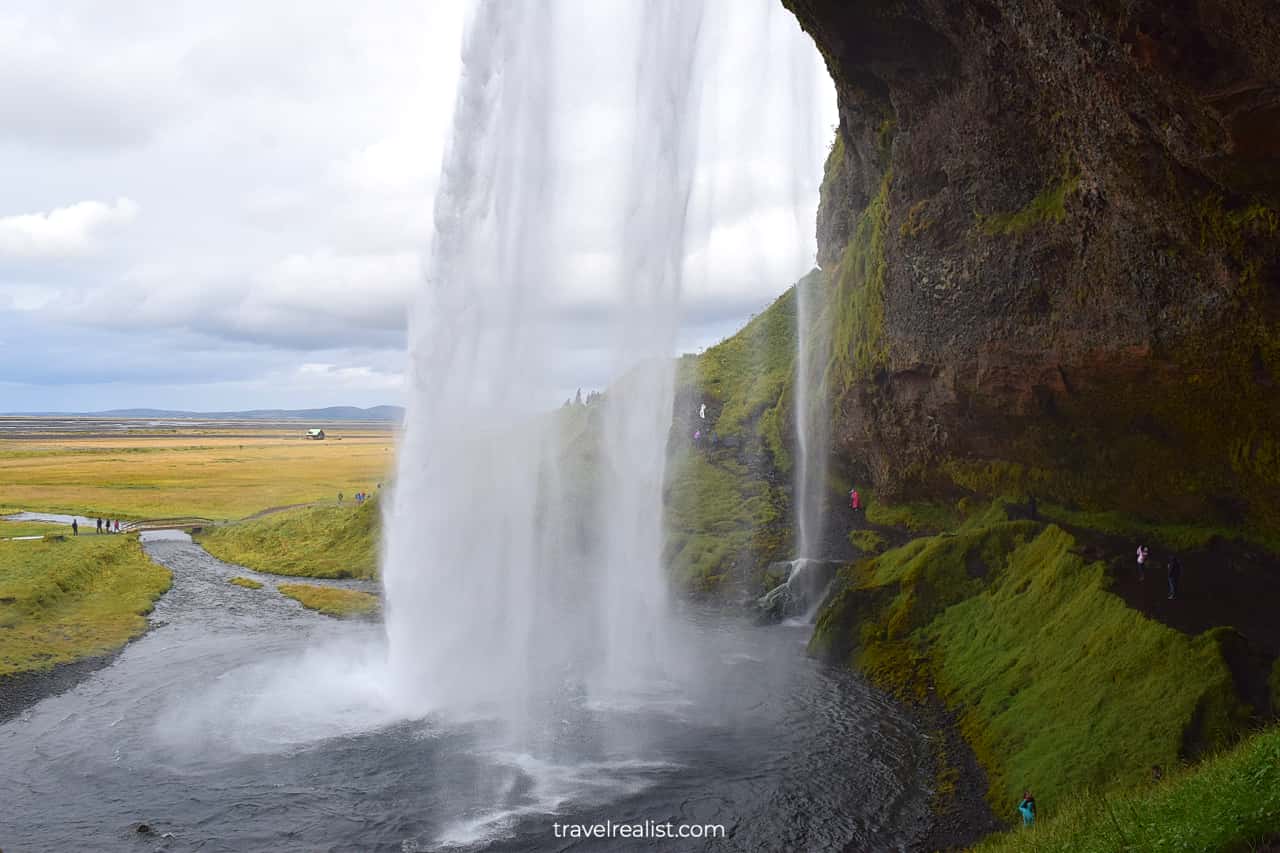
[638,414]
[498,595]
[812,417]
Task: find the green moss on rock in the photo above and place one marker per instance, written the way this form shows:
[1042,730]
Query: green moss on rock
[1048,207]
[916,516]
[719,516]
[857,345]
[867,541]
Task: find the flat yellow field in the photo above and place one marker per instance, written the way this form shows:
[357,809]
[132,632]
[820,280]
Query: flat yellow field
[220,474]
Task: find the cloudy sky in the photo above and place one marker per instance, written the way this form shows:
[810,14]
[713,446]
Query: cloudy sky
[223,206]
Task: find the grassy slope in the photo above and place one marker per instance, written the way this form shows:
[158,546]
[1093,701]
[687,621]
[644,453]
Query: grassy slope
[341,603]
[323,542]
[211,476]
[747,376]
[65,600]
[1060,684]
[1065,686]
[726,514]
[1231,802]
[718,514]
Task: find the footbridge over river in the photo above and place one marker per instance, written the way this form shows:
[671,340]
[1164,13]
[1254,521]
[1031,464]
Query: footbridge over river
[189,523]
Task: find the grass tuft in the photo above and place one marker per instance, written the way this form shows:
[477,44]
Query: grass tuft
[867,541]
[247,583]
[331,601]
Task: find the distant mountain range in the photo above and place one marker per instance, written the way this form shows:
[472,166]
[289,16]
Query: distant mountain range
[329,413]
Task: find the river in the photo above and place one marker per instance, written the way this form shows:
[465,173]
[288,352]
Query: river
[241,721]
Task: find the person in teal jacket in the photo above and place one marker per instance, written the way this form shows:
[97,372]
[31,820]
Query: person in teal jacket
[1027,808]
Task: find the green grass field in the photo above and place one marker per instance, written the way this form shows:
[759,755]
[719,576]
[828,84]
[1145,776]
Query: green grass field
[340,603]
[210,474]
[79,597]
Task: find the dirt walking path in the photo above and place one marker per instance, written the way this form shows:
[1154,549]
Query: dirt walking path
[1227,584]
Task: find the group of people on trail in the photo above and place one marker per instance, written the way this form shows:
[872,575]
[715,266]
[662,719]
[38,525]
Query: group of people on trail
[361,497]
[1174,567]
[697,433]
[104,526]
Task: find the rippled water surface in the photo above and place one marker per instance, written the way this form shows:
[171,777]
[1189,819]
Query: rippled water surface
[243,722]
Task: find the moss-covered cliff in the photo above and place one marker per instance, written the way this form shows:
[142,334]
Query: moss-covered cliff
[1049,237]
[728,492]
[1052,231]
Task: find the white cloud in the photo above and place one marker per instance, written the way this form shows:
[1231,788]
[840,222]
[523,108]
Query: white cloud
[395,164]
[361,290]
[62,89]
[18,296]
[358,376]
[280,162]
[64,231]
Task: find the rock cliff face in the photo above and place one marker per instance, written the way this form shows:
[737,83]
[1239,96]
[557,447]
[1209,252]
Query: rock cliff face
[1052,239]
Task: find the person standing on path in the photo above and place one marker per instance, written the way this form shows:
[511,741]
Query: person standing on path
[75,528]
[855,500]
[99,525]
[1175,573]
[1027,808]
[1143,554]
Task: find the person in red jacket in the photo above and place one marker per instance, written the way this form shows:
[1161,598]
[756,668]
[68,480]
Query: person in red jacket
[855,500]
